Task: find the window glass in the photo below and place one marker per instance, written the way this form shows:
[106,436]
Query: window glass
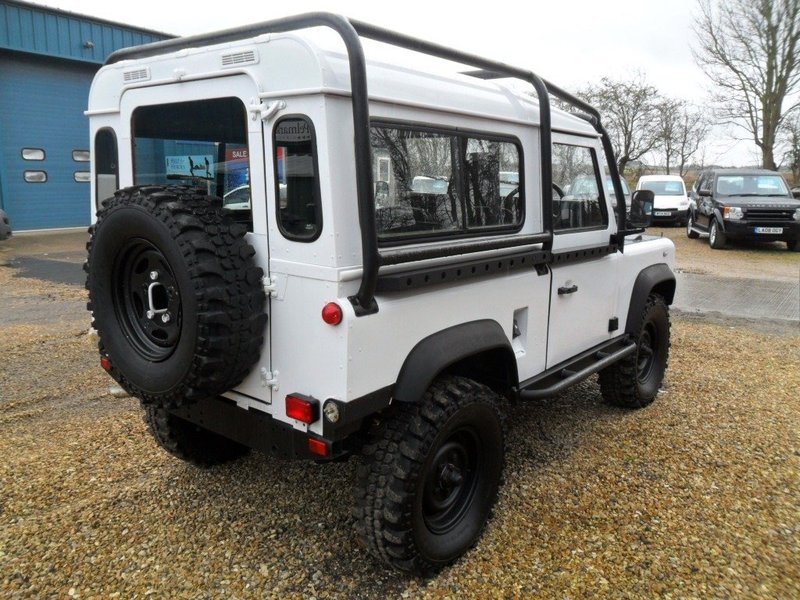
[751,185]
[431,183]
[80,155]
[664,188]
[35,176]
[105,164]
[200,143]
[33,154]
[299,210]
[577,203]
[82,176]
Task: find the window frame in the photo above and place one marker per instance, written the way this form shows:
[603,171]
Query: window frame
[317,188]
[600,182]
[461,183]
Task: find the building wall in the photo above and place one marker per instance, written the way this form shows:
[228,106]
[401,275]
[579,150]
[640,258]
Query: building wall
[47,61]
[41,106]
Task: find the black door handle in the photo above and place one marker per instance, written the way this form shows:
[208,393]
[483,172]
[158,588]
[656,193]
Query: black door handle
[567,290]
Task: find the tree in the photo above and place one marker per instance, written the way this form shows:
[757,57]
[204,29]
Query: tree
[750,50]
[628,110]
[791,135]
[682,130]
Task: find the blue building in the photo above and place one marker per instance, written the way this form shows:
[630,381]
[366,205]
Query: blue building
[48,58]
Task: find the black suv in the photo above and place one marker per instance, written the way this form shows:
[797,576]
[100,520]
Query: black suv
[743,203]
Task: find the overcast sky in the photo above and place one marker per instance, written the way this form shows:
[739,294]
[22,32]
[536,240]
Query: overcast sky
[570,42]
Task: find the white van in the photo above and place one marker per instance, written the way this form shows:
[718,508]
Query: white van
[671,203]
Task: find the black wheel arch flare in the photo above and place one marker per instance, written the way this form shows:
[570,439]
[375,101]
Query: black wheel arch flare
[657,278]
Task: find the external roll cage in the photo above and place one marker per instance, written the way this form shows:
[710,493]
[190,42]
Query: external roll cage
[351,32]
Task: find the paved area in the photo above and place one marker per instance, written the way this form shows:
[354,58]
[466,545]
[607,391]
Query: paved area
[58,257]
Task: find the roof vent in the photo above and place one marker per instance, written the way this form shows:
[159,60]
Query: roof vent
[235,59]
[136,75]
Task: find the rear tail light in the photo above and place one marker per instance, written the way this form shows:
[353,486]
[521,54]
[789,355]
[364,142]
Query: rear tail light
[305,410]
[318,447]
[332,313]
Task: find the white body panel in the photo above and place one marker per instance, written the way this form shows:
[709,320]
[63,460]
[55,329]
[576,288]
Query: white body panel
[364,354]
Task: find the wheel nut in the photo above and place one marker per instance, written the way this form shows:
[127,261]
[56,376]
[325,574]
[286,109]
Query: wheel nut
[150,314]
[153,275]
[165,318]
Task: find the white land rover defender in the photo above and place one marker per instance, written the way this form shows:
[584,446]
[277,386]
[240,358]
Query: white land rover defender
[399,253]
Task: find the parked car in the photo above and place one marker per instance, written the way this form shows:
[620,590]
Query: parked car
[5,225]
[671,202]
[587,185]
[743,204]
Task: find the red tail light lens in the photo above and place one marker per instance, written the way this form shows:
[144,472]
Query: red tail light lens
[332,313]
[106,364]
[318,447]
[305,410]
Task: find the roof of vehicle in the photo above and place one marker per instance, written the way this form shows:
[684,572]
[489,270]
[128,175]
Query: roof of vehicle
[660,178]
[742,171]
[312,61]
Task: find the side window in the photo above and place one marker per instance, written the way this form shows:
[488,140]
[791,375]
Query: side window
[705,183]
[297,187]
[438,183]
[577,202]
[106,171]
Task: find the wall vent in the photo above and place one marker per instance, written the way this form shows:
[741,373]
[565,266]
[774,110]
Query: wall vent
[235,59]
[136,75]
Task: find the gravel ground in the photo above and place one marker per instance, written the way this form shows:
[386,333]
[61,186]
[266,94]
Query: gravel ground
[695,496]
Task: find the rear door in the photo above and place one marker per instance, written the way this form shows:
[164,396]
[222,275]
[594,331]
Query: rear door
[583,293]
[200,133]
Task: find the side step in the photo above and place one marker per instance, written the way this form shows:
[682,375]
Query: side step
[570,372]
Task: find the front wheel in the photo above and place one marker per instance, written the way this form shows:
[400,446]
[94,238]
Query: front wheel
[716,237]
[431,476]
[634,381]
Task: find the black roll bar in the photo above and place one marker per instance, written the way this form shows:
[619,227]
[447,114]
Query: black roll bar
[351,31]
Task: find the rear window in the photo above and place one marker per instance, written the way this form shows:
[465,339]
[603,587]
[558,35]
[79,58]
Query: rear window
[431,184]
[200,143]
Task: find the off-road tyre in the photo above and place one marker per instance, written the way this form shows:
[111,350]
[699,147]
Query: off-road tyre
[411,511]
[209,287]
[716,237]
[188,441]
[691,233]
[634,381]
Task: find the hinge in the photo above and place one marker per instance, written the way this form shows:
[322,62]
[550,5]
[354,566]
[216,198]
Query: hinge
[266,111]
[271,286]
[613,324]
[269,379]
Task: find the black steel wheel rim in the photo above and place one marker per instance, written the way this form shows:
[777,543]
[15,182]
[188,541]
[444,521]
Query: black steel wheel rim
[146,299]
[647,351]
[451,481]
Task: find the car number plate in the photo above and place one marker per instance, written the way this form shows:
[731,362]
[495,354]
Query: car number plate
[769,229]
[662,213]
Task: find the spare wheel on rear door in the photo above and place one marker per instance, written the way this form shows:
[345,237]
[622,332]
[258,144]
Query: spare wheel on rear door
[177,300]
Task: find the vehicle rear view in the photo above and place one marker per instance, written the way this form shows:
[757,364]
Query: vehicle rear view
[671,201]
[301,252]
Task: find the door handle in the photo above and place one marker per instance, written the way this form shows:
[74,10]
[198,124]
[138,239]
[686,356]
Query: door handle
[567,290]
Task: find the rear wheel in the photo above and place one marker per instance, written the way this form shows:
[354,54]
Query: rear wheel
[431,476]
[716,237]
[634,381]
[188,441]
[690,232]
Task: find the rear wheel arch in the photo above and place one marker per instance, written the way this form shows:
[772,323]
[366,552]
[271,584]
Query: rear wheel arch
[479,350]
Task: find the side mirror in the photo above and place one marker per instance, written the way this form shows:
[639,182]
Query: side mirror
[705,193]
[641,213]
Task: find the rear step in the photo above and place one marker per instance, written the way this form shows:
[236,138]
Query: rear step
[576,369]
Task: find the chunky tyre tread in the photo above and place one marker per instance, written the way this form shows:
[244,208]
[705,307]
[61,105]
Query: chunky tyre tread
[392,462]
[189,442]
[619,384]
[227,288]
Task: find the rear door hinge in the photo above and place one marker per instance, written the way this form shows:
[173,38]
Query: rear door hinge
[269,379]
[271,286]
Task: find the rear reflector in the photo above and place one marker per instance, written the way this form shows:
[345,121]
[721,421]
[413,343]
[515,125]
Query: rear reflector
[305,410]
[332,313]
[318,447]
[106,364]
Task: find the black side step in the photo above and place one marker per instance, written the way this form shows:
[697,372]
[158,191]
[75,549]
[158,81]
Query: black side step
[570,372]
